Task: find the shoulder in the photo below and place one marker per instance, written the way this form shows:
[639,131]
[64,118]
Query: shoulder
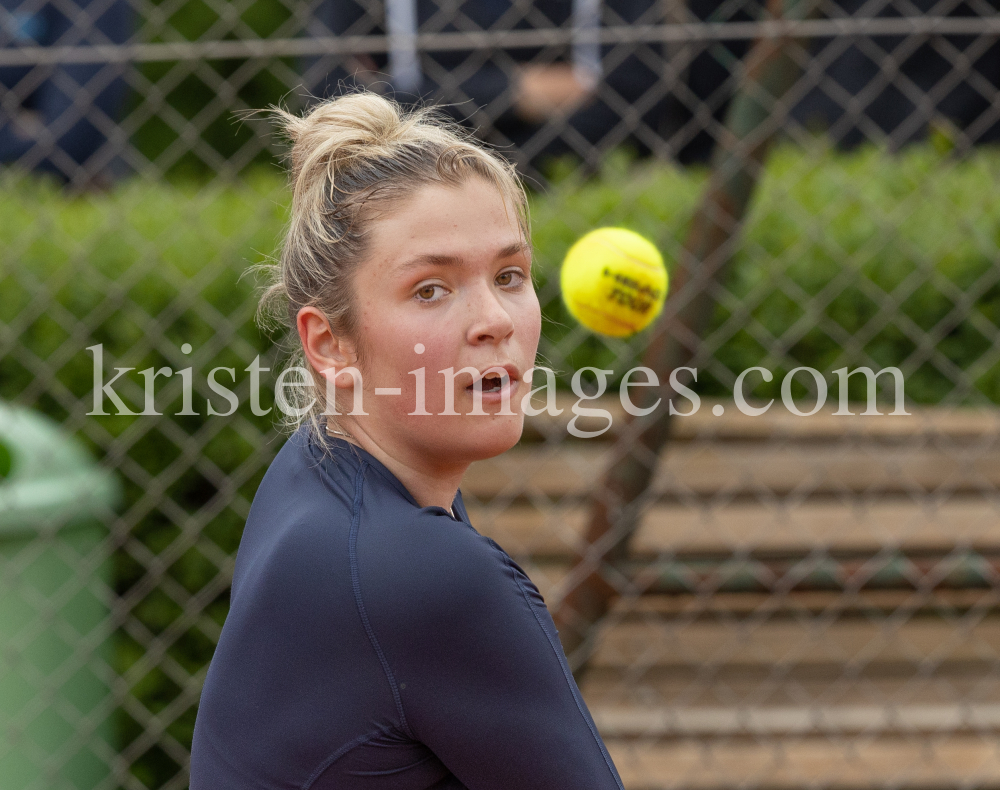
[421,567]
[299,518]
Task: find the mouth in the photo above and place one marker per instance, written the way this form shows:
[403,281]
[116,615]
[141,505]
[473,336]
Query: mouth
[491,383]
[496,381]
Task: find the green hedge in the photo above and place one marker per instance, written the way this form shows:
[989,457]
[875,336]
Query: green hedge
[193,96]
[144,270]
[847,260]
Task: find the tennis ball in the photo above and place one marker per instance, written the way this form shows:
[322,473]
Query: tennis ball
[614,281]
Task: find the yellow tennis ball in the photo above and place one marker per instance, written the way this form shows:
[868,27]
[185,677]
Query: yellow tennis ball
[614,281]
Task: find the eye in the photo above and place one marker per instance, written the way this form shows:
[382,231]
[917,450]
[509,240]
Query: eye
[430,292]
[512,278]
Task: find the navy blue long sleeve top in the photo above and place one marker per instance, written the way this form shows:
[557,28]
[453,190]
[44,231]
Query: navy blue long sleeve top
[373,643]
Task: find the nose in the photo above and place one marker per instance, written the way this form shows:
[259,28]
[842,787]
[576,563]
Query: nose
[491,322]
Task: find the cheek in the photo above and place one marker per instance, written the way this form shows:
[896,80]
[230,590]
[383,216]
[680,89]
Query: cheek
[389,339]
[530,322]
[396,357]
[435,381]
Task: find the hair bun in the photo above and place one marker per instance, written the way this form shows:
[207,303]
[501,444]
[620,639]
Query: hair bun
[359,125]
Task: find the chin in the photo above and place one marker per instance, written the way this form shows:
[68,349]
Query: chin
[503,437]
[480,438]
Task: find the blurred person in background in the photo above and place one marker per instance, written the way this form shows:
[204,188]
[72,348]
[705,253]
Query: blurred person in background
[896,88]
[516,91]
[887,89]
[62,118]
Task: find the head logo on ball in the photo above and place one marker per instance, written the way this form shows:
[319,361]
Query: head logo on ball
[614,281]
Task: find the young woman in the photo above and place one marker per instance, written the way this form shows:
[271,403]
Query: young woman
[375,639]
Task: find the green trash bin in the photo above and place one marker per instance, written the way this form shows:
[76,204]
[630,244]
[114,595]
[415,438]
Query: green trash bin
[56,727]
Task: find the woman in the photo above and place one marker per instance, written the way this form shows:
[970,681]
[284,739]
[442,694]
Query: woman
[375,639]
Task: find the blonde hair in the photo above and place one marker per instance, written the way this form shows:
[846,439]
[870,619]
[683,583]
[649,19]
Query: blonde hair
[350,156]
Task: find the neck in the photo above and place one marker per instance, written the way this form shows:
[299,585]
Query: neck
[429,486]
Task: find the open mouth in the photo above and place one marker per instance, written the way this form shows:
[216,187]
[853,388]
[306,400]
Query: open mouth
[490,383]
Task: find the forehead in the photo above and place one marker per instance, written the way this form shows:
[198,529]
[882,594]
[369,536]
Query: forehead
[447,220]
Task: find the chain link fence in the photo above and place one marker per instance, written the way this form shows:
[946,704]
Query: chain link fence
[749,600]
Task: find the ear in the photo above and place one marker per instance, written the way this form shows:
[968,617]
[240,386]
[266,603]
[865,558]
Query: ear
[326,351]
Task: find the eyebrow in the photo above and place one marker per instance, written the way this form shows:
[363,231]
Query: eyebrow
[509,251]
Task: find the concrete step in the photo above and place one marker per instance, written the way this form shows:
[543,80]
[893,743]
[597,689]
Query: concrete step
[843,526]
[956,424]
[946,602]
[909,762]
[770,577]
[844,691]
[657,693]
[689,473]
[766,721]
[901,645]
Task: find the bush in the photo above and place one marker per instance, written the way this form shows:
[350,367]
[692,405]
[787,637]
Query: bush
[191,93]
[846,259]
